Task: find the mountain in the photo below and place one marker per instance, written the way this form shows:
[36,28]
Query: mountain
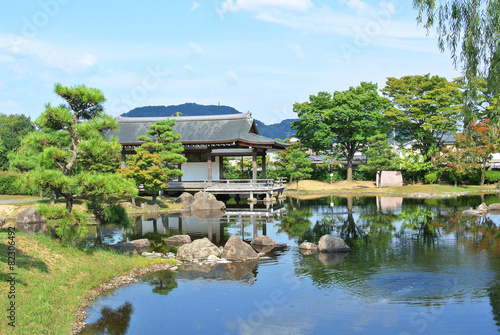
[188,109]
[280,130]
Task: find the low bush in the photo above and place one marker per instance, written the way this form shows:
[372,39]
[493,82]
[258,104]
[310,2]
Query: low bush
[492,176]
[431,178]
[11,184]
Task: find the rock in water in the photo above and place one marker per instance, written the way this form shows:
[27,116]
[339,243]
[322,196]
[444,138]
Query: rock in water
[329,243]
[178,240]
[185,198]
[141,245]
[197,250]
[263,240]
[308,246]
[235,250]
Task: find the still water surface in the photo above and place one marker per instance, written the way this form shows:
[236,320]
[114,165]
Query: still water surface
[416,266]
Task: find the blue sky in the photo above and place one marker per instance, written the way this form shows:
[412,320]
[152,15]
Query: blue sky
[260,56]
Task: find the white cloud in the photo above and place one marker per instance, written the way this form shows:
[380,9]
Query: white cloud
[195,49]
[59,57]
[69,63]
[261,5]
[195,6]
[360,7]
[231,78]
[188,68]
[297,49]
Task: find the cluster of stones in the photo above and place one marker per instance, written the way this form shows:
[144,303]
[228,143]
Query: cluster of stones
[203,250]
[327,243]
[483,209]
[201,201]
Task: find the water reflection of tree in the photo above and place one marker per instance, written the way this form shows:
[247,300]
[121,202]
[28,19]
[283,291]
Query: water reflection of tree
[480,229]
[420,223]
[112,322]
[163,281]
[296,223]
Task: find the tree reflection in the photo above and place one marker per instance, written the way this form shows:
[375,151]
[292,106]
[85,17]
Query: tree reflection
[112,322]
[296,223]
[163,281]
[419,222]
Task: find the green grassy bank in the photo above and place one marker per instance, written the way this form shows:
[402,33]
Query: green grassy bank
[51,281]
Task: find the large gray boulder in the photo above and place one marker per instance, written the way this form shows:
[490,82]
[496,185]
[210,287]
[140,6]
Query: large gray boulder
[263,240]
[481,210]
[185,198]
[206,204]
[178,240]
[30,215]
[142,244]
[197,250]
[237,250]
[308,246]
[204,195]
[329,243]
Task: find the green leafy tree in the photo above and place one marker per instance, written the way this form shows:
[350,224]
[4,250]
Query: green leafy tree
[480,143]
[456,160]
[380,155]
[12,129]
[471,30]
[294,162]
[425,109]
[341,122]
[414,163]
[157,159]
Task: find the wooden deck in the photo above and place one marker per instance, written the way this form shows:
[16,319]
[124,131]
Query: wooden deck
[253,188]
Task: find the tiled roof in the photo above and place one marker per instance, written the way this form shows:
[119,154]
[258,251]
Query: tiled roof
[198,129]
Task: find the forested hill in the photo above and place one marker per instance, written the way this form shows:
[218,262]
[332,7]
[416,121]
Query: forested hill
[280,130]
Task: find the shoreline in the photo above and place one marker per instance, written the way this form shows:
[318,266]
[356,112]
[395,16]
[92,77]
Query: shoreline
[81,315]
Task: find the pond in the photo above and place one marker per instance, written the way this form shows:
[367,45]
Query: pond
[416,266]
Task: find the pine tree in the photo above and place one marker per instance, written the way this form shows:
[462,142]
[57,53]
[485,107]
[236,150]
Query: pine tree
[157,159]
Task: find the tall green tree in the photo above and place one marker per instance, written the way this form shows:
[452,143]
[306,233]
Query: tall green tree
[380,155]
[294,162]
[414,163]
[458,159]
[471,30]
[341,123]
[13,128]
[425,110]
[158,158]
[68,133]
[481,142]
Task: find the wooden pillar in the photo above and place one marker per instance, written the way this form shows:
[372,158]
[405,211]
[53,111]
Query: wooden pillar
[254,165]
[209,166]
[180,168]
[124,161]
[221,167]
[264,165]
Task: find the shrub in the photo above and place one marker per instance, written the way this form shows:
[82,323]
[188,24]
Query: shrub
[492,176]
[431,178]
[11,184]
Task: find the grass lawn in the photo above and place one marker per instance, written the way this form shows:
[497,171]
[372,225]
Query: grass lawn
[52,280]
[369,188]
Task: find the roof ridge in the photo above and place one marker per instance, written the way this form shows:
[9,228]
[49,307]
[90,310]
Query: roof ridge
[246,115]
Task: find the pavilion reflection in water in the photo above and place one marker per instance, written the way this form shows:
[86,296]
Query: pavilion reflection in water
[251,221]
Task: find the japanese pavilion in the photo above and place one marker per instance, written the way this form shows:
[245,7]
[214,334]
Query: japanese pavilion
[206,139]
